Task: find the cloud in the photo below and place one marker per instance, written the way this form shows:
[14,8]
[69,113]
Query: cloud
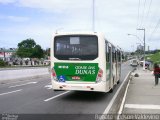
[41,34]
[49,5]
[114,18]
[7,1]
[17,18]
[14,18]
[54,5]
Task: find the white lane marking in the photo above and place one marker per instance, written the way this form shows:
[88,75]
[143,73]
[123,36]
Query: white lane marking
[48,87]
[114,97]
[56,96]
[10,92]
[123,100]
[23,84]
[142,106]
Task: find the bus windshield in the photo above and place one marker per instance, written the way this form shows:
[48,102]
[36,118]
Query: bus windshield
[77,47]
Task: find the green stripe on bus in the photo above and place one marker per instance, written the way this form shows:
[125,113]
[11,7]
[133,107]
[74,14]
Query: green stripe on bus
[86,72]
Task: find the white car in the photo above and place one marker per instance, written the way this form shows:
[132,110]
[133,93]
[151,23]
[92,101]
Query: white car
[134,62]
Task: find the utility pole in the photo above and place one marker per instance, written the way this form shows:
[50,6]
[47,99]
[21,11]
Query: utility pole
[144,47]
[93,15]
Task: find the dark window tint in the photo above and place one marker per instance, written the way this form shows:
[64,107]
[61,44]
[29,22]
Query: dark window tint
[107,53]
[119,56]
[113,54]
[76,47]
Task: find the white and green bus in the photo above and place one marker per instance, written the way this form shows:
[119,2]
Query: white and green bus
[84,61]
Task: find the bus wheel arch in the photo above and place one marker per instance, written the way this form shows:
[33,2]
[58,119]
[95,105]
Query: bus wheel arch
[111,90]
[118,81]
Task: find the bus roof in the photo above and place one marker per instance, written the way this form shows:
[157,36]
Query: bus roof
[80,33]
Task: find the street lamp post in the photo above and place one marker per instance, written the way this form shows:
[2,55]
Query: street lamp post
[144,47]
[136,37]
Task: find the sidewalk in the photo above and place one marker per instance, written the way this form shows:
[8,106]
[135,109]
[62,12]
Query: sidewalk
[143,97]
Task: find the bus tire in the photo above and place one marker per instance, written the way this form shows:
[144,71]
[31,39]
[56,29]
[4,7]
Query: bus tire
[57,90]
[118,81]
[111,90]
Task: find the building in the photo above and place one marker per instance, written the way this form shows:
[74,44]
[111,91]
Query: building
[6,54]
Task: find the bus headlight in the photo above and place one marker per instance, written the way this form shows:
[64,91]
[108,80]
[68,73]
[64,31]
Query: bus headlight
[99,75]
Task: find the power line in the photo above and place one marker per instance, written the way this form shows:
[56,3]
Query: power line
[143,14]
[153,16]
[138,13]
[147,14]
[155,29]
[156,25]
[148,10]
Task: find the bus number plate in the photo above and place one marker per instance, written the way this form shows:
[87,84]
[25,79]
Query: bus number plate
[76,78]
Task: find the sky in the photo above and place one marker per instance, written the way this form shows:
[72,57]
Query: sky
[39,20]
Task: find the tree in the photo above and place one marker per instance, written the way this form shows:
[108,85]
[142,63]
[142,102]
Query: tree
[28,49]
[47,53]
[25,48]
[2,63]
[37,52]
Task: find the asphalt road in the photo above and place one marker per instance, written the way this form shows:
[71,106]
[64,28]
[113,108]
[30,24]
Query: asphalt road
[35,96]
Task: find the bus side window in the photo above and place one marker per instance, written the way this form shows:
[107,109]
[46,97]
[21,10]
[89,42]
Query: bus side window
[113,54]
[107,53]
[119,56]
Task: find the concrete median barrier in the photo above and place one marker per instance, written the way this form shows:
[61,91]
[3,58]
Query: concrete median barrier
[119,98]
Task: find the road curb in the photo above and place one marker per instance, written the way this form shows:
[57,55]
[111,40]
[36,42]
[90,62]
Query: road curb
[118,101]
